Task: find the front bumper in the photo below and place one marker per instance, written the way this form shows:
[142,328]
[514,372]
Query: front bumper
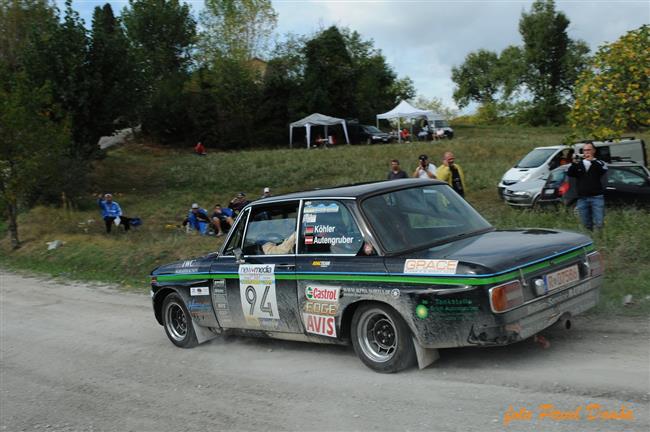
[537,315]
[518,201]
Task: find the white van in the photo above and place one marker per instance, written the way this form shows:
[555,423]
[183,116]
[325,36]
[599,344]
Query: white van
[542,160]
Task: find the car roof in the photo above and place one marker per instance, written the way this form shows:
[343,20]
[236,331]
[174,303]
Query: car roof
[618,164]
[355,191]
[555,147]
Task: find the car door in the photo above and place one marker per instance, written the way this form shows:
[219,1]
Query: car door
[627,185]
[334,258]
[259,286]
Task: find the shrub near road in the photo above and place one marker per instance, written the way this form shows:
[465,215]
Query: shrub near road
[158,185]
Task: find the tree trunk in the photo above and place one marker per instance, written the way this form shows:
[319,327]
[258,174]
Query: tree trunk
[13,225]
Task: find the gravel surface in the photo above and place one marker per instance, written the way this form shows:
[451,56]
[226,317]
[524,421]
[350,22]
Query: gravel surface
[84,357]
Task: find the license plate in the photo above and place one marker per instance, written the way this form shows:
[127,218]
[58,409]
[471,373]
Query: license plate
[549,191]
[562,277]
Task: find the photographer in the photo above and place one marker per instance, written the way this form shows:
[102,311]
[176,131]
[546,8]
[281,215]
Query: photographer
[424,168]
[452,173]
[588,172]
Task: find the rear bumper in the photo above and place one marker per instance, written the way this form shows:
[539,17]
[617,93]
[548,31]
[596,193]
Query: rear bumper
[533,317]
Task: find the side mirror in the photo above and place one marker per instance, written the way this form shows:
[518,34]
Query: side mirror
[238,255]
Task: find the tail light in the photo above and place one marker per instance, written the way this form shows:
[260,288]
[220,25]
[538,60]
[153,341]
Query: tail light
[507,296]
[564,188]
[595,264]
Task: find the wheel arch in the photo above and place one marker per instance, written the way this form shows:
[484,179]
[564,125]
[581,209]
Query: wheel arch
[348,313]
[158,300]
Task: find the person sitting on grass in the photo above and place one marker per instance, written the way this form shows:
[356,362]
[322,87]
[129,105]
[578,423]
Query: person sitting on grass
[222,219]
[197,219]
[199,149]
[112,213]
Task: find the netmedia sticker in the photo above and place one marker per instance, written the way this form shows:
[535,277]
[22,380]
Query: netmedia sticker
[324,294]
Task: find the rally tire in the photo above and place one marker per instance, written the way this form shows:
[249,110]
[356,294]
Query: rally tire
[177,322]
[381,338]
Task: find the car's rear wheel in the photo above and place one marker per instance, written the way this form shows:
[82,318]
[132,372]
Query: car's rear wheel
[178,322]
[382,339]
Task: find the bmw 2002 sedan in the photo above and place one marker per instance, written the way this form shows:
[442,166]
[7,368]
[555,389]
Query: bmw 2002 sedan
[398,268]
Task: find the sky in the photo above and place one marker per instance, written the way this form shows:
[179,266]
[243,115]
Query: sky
[424,39]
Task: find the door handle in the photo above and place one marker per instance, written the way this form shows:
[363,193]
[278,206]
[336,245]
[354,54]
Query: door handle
[285,266]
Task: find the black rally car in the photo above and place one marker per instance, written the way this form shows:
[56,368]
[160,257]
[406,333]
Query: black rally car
[398,268]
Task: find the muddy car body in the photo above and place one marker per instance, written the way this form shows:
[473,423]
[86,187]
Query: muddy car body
[398,268]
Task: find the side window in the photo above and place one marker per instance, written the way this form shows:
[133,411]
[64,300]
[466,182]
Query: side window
[237,235]
[625,177]
[328,228]
[272,230]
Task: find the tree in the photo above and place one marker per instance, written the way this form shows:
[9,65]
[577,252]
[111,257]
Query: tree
[33,148]
[552,61]
[329,75]
[161,34]
[113,87]
[436,105]
[477,79]
[236,28]
[613,94]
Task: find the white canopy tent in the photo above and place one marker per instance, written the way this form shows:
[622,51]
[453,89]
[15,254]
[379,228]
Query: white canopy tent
[317,120]
[404,110]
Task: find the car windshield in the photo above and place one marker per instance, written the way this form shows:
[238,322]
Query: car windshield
[441,123]
[535,158]
[421,216]
[372,129]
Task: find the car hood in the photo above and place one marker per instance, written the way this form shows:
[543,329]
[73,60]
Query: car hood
[498,251]
[515,174]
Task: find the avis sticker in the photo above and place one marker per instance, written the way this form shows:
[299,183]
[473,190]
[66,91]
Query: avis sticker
[199,291]
[320,325]
[430,266]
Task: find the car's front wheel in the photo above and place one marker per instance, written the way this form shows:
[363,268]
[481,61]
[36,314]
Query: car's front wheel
[178,322]
[382,339]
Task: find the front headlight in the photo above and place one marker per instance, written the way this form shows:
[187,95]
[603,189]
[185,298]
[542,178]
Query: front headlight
[521,194]
[375,137]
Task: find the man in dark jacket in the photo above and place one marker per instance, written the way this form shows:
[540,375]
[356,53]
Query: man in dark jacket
[589,173]
[395,171]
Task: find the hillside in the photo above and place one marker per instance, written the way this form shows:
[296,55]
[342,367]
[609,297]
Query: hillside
[158,185]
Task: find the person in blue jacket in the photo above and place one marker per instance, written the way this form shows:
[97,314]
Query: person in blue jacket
[112,212]
[198,219]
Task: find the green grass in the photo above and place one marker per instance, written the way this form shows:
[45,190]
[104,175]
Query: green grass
[159,184]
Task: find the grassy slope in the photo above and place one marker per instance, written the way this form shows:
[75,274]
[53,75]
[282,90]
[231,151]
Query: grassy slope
[158,185]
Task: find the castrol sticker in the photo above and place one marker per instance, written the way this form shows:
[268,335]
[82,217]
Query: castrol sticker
[320,325]
[430,266]
[322,293]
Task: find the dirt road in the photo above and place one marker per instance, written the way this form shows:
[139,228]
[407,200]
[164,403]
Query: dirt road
[90,358]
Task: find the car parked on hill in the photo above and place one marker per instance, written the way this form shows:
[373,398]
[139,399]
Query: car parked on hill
[524,194]
[625,183]
[398,269]
[542,160]
[371,135]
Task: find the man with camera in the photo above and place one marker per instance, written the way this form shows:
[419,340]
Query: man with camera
[588,172]
[452,173]
[424,168]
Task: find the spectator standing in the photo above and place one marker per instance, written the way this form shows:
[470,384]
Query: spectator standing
[452,173]
[238,202]
[589,172]
[405,135]
[266,193]
[222,219]
[425,169]
[199,149]
[396,171]
[197,219]
[112,213]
